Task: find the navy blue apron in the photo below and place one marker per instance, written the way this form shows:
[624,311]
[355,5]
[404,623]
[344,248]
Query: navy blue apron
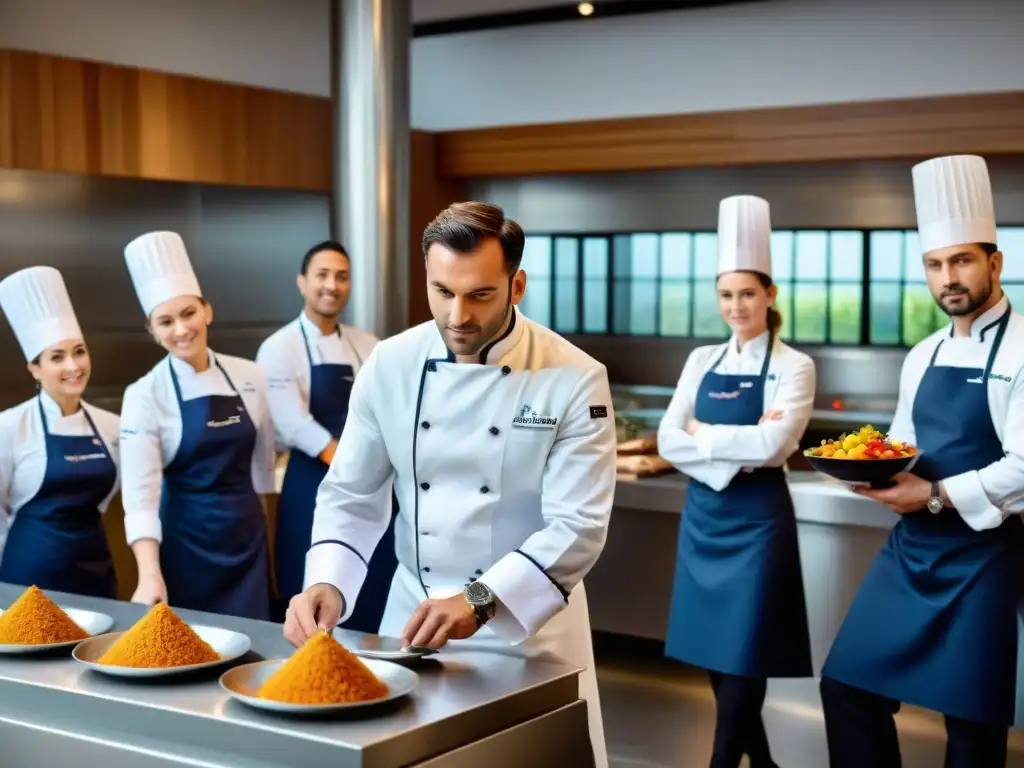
[214,552]
[738,598]
[330,387]
[57,540]
[935,621]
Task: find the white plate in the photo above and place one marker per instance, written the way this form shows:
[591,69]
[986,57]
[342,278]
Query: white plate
[230,645]
[244,681]
[383,648]
[92,622]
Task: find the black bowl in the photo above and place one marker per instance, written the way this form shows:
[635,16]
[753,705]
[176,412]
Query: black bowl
[877,472]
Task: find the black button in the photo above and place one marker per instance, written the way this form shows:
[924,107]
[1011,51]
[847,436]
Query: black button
[425,486]
[485,489]
[426,569]
[505,371]
[471,579]
[479,573]
[425,425]
[494,430]
[431,366]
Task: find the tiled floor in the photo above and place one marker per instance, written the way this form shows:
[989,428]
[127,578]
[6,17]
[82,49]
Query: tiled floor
[658,714]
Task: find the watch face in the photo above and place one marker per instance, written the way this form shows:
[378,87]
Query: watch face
[935,505]
[477,593]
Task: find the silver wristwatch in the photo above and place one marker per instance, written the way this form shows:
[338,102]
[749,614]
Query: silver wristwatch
[935,504]
[482,600]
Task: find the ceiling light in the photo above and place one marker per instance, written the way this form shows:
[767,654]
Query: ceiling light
[585,9]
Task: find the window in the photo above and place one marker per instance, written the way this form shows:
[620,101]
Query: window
[846,287]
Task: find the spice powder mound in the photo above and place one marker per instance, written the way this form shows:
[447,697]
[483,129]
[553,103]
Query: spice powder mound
[159,639]
[34,619]
[322,671]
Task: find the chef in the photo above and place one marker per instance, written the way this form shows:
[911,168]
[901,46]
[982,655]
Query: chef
[199,447]
[935,620]
[738,412]
[311,364]
[500,437]
[58,454]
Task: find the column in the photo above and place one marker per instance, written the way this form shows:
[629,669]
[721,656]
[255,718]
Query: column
[370,41]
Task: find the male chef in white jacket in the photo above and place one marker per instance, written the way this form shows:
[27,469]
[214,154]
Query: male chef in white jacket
[500,438]
[934,622]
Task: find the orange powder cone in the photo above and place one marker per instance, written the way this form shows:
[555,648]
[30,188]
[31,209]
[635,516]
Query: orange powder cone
[159,639]
[322,671]
[34,619]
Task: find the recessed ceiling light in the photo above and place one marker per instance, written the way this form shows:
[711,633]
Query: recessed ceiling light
[585,9]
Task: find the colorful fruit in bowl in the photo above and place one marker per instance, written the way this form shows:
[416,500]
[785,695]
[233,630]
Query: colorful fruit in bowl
[867,444]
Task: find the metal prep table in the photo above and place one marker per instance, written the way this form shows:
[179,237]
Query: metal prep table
[470,709]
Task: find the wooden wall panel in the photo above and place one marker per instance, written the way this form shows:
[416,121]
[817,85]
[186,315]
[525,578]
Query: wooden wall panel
[987,124]
[75,116]
[430,194]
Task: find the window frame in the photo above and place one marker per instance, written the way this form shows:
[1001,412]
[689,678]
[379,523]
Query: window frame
[692,280]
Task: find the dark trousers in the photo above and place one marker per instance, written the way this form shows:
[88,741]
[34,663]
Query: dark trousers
[739,729]
[861,732]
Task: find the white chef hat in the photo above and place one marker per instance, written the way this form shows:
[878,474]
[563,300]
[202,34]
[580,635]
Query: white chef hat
[39,309]
[744,235]
[160,269]
[953,197]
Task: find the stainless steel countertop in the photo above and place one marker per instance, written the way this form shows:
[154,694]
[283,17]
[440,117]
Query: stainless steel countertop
[816,498]
[462,697]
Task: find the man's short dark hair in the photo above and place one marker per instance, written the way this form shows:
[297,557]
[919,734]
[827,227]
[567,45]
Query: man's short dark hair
[462,226]
[326,245]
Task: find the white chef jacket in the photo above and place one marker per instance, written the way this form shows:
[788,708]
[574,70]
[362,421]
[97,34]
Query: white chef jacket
[151,432]
[986,497]
[23,450]
[284,357]
[718,451]
[504,472]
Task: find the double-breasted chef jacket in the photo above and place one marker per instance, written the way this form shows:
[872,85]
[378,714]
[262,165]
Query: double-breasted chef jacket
[151,435]
[504,472]
[310,376]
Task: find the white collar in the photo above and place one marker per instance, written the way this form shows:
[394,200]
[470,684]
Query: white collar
[493,352]
[52,410]
[184,370]
[985,322]
[313,328]
[755,347]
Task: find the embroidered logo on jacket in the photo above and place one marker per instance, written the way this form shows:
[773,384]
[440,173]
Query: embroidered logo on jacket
[224,423]
[531,419]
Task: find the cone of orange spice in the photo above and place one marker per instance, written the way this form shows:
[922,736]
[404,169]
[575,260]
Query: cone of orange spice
[34,619]
[322,671]
[159,639]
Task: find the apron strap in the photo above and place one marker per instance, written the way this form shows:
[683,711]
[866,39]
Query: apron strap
[88,418]
[337,330]
[1001,325]
[1004,321]
[764,366]
[177,386]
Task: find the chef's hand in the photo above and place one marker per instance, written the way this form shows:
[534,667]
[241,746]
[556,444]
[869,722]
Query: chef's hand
[910,494]
[150,590]
[692,426]
[436,622]
[770,416]
[318,608]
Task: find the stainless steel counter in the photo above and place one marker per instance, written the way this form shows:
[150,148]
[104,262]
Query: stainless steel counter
[469,709]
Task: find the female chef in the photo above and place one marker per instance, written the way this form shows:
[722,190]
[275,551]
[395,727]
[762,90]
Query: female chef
[737,414]
[198,437]
[58,455]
